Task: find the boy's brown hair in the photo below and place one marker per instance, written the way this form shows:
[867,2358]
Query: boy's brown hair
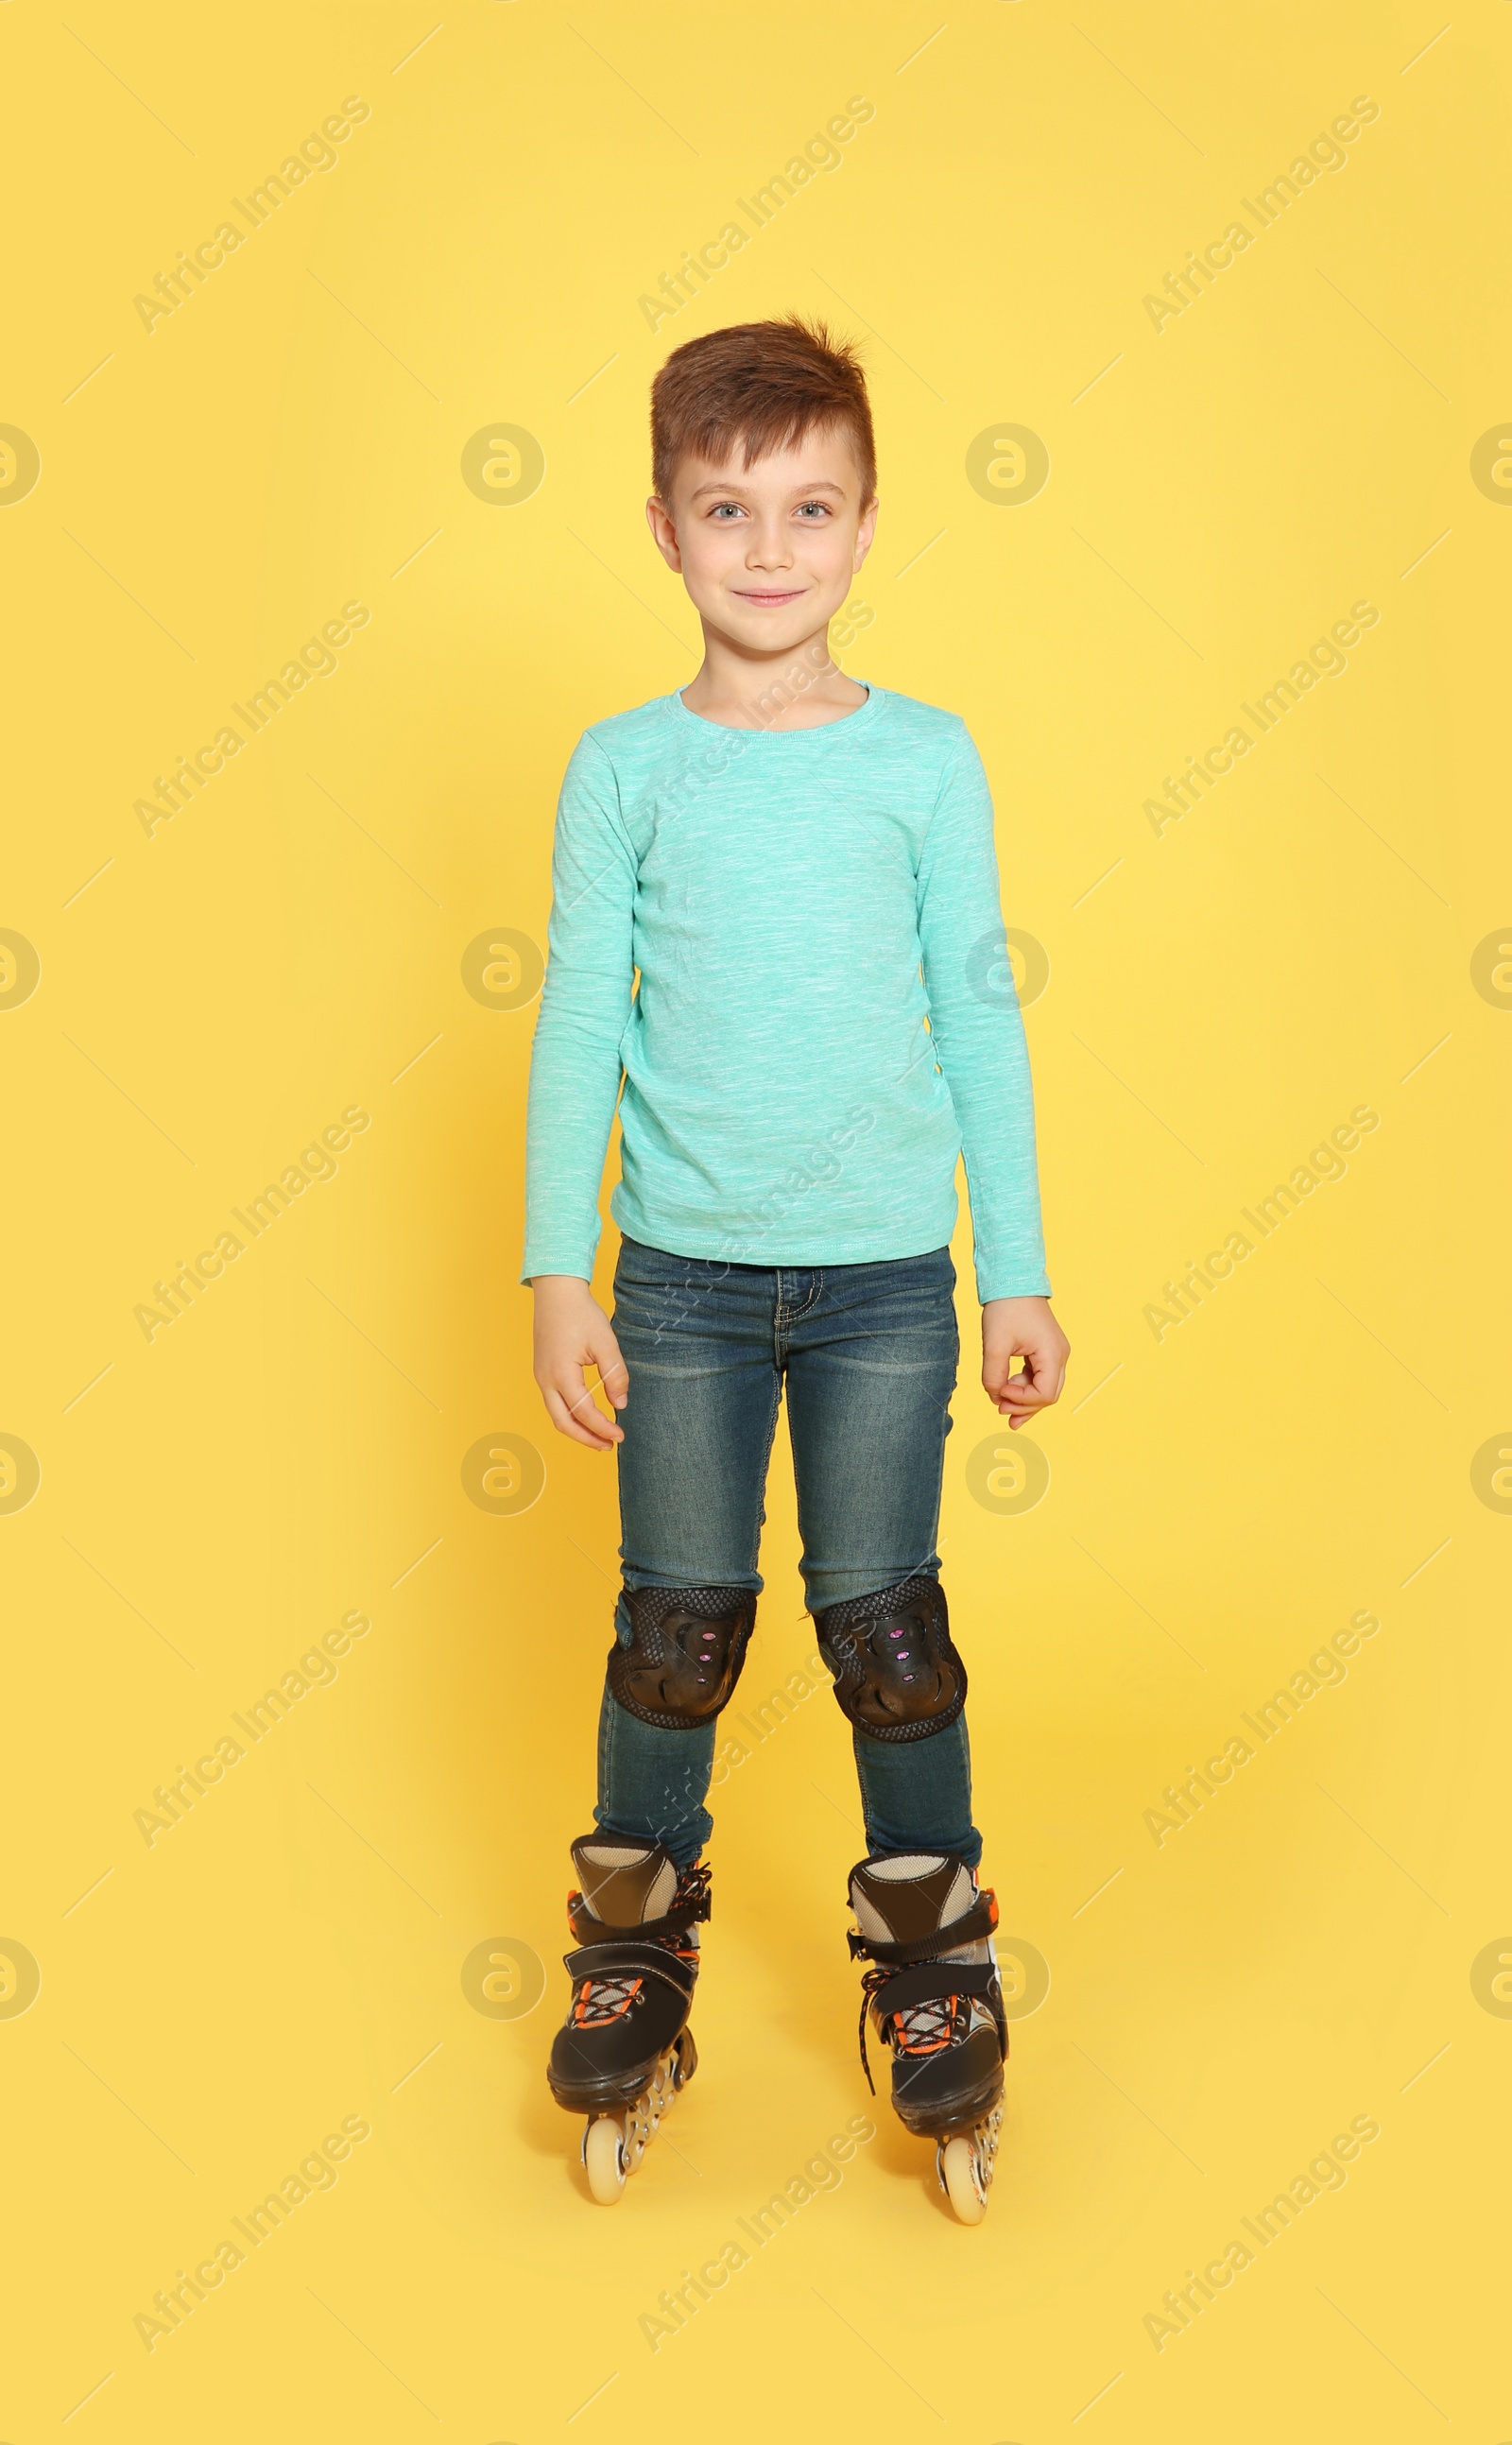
[763,384]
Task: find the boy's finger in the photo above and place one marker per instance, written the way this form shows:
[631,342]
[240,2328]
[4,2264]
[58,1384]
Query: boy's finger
[1039,1391]
[1041,1355]
[562,1420]
[1025,1398]
[1047,1370]
[580,1417]
[614,1376]
[1010,1387]
[1024,1404]
[556,1412]
[576,1400]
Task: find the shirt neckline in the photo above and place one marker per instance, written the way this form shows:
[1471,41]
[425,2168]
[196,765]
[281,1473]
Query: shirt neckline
[863,716]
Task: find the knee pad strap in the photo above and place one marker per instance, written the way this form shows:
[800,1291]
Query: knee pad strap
[685,1655]
[899,1675]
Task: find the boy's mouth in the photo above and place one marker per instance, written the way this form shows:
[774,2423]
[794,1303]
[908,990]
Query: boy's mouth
[768,595]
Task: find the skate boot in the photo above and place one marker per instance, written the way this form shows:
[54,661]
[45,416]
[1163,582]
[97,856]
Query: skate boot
[937,2006]
[625,2048]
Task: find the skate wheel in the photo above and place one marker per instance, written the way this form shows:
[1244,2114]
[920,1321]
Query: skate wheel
[604,2158]
[960,2180]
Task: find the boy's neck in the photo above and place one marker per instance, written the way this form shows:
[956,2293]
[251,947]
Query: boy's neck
[792,687]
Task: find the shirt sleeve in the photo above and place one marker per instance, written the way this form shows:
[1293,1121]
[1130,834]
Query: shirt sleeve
[575,1067]
[977,1031]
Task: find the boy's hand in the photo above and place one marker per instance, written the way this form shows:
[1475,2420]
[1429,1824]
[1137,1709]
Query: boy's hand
[1022,1328]
[571,1333]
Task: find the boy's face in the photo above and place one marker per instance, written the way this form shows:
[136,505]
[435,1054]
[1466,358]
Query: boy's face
[768,552]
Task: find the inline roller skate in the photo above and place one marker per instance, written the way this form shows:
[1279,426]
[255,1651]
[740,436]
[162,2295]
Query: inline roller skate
[626,2049]
[936,2003]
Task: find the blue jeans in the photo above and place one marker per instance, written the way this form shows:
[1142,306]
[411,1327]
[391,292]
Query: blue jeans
[869,1353]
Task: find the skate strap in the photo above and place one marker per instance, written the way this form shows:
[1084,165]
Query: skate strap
[930,1982]
[588,1929]
[977,1923]
[629,1960]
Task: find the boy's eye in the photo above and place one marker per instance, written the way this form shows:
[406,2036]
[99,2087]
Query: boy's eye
[820,508]
[720,508]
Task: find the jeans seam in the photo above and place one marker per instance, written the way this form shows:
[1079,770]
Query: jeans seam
[766,1464]
[782,1315]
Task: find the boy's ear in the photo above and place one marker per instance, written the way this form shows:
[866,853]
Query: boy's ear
[867,529]
[658,518]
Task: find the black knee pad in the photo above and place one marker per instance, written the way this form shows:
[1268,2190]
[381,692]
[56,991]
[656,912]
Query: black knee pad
[899,1675]
[686,1655]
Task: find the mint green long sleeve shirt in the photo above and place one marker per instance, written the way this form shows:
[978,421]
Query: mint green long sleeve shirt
[787,945]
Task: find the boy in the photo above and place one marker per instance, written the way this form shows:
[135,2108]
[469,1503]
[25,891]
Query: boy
[799,870]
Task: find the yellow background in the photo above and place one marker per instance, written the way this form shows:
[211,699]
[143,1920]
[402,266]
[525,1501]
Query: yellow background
[213,997]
